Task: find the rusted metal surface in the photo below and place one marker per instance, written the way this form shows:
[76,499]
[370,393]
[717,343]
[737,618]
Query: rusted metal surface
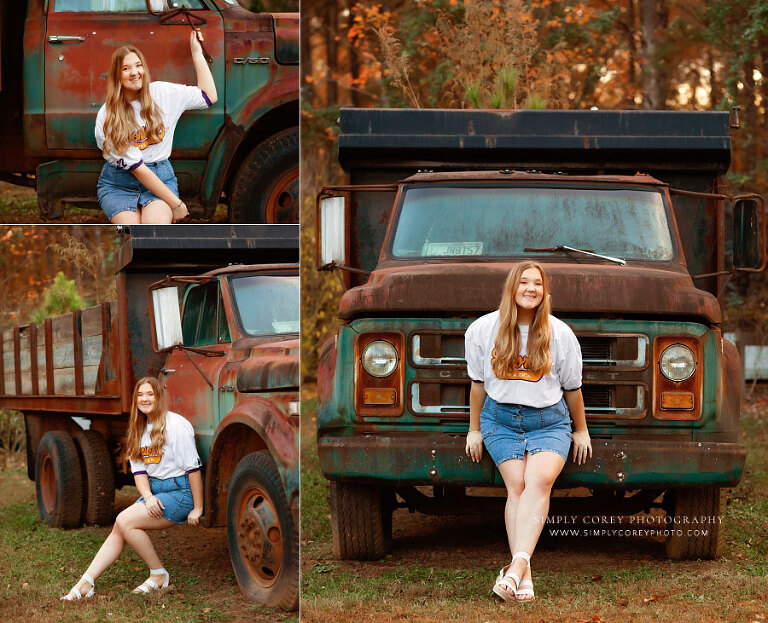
[577,287]
[438,458]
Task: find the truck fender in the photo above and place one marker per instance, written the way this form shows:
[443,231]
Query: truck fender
[235,141]
[254,424]
[326,370]
[732,385]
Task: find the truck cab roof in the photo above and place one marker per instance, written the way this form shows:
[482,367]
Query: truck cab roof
[505,175]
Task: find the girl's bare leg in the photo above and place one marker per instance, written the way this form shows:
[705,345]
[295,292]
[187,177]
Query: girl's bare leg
[126,217]
[108,553]
[513,473]
[133,522]
[157,213]
[541,471]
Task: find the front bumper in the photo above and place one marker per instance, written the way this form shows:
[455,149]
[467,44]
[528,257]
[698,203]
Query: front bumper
[396,459]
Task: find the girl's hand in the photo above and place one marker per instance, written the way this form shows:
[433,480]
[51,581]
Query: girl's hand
[179,211]
[154,506]
[195,37]
[193,519]
[582,446]
[474,448]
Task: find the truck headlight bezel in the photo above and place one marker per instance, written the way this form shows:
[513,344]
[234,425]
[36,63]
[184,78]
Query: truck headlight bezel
[379,358]
[677,363]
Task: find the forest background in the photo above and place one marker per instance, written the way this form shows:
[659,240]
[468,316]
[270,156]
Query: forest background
[629,54]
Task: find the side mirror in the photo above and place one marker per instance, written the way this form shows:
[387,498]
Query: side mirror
[166,318]
[332,231]
[749,240]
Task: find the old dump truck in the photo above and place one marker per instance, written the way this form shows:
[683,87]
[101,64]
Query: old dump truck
[54,60]
[223,339]
[637,262]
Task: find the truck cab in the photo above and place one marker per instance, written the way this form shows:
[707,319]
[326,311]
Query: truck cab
[55,60]
[661,385]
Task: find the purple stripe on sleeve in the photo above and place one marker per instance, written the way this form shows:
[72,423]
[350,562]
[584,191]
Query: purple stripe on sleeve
[205,97]
[137,165]
[476,381]
[194,469]
[137,473]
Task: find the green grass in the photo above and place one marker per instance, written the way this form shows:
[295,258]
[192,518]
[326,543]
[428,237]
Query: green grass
[39,564]
[315,522]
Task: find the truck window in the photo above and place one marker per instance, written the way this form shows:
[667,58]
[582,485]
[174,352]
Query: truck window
[439,221]
[267,304]
[200,324]
[110,6]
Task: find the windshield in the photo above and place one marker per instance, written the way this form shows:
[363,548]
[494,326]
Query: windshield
[504,221]
[267,304]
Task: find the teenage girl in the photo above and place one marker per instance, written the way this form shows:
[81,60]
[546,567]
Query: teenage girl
[134,130]
[160,445]
[525,367]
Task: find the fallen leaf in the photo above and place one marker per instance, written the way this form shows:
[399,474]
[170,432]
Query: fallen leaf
[648,600]
[206,610]
[597,578]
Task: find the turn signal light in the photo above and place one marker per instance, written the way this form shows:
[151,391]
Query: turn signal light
[677,400]
[379,396]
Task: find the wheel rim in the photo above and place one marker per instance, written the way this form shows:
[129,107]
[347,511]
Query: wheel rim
[283,200]
[260,537]
[48,484]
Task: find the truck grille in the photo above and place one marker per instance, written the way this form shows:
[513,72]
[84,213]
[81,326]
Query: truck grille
[441,388]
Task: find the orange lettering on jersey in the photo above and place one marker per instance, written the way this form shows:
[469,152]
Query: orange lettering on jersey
[140,140]
[520,373]
[150,459]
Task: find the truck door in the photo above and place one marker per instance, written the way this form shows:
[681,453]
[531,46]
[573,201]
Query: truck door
[192,377]
[81,36]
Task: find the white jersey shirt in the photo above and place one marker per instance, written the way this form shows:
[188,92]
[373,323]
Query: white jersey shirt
[179,455]
[523,387]
[172,100]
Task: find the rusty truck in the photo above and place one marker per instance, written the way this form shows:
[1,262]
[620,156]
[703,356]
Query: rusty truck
[213,312]
[54,60]
[629,215]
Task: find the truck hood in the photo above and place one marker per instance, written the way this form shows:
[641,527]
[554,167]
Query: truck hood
[272,366]
[475,289]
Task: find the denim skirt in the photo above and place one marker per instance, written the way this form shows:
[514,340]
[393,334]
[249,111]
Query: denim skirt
[118,190]
[509,431]
[175,494]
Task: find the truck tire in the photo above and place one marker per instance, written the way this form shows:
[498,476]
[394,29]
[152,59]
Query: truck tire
[263,541]
[361,521]
[58,480]
[704,540]
[98,478]
[266,186]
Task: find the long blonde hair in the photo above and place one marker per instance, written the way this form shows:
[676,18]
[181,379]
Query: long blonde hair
[120,122]
[507,346]
[138,421]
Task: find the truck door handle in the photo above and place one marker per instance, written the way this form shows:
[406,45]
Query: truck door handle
[227,388]
[63,38]
[168,370]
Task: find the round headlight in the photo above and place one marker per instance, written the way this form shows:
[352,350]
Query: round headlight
[677,362]
[379,358]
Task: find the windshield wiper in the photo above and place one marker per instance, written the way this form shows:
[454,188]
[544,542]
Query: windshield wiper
[562,247]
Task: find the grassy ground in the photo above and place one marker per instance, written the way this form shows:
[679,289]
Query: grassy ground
[442,569]
[38,565]
[19,205]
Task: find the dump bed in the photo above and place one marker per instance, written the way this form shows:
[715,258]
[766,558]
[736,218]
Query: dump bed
[87,361]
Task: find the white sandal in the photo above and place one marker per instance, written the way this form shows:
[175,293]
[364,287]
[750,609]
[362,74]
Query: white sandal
[503,583]
[74,593]
[524,588]
[149,584]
